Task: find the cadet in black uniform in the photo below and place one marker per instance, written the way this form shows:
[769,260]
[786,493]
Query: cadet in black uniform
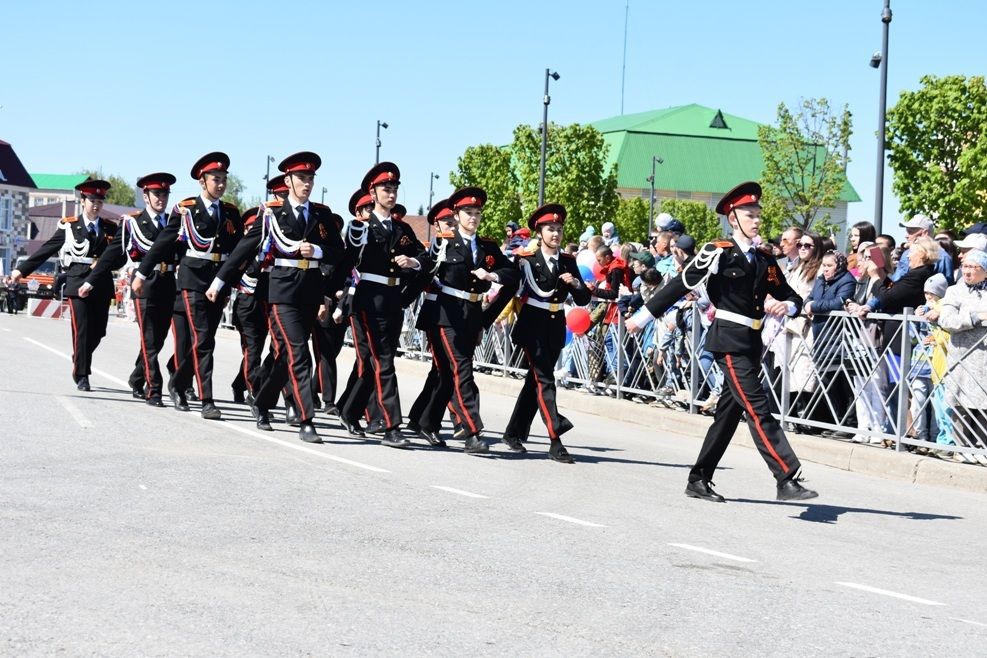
[466,265]
[548,277]
[294,239]
[202,230]
[80,242]
[738,278]
[385,251]
[154,306]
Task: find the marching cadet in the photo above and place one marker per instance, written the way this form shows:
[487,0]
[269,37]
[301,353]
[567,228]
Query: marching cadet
[466,265]
[294,238]
[385,249]
[80,242]
[155,305]
[202,230]
[738,278]
[548,277]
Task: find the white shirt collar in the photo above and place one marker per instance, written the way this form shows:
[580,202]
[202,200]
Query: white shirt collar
[743,243]
[380,218]
[294,203]
[207,202]
[89,222]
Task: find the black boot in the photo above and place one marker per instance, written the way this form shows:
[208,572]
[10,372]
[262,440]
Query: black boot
[703,489]
[307,433]
[475,446]
[394,439]
[557,452]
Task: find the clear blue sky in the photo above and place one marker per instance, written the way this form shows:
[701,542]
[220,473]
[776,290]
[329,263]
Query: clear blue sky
[134,87]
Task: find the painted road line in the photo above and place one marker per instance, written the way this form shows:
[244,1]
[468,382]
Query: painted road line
[75,412]
[460,492]
[301,448]
[885,592]
[68,357]
[967,621]
[707,551]
[570,519]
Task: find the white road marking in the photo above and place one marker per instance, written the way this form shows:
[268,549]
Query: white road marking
[75,412]
[68,357]
[700,549]
[885,592]
[571,519]
[967,621]
[143,488]
[468,494]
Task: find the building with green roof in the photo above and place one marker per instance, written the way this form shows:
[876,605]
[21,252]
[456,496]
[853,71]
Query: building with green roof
[55,188]
[705,153]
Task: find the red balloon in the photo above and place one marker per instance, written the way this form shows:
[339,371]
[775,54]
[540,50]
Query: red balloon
[578,321]
[597,271]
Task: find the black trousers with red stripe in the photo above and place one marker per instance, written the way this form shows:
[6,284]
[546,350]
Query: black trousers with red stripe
[453,351]
[154,316]
[88,317]
[429,390]
[327,339]
[742,373]
[250,320]
[538,394]
[372,411]
[375,338]
[202,319]
[291,329]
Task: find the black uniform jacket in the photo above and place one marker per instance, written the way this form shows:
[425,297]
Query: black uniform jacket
[77,273]
[288,284]
[738,286]
[159,285]
[536,324]
[195,273]
[378,258]
[456,272]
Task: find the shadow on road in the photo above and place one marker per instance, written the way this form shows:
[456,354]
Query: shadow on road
[817,513]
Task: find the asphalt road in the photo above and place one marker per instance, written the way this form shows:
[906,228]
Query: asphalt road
[127,530]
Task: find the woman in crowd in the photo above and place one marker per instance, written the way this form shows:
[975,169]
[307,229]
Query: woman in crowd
[964,316]
[859,233]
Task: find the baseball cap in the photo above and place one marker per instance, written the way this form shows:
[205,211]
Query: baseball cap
[686,243]
[919,221]
[972,241]
[645,257]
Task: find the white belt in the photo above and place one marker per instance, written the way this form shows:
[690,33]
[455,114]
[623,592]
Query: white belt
[462,294]
[81,259]
[548,306]
[300,263]
[207,255]
[431,296]
[383,280]
[737,318]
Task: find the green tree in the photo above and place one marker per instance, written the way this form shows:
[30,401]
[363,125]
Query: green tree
[805,158]
[700,222]
[576,174]
[489,167]
[234,191]
[421,209]
[937,136]
[631,220]
[121,192]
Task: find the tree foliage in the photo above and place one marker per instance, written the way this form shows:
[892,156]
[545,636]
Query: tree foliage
[121,192]
[631,220]
[234,190]
[489,167]
[937,137]
[805,157]
[700,222]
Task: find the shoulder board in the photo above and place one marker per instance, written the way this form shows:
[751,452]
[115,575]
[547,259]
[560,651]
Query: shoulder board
[274,203]
[136,214]
[187,203]
[487,241]
[765,249]
[69,220]
[724,244]
[231,206]
[564,254]
[401,221]
[320,206]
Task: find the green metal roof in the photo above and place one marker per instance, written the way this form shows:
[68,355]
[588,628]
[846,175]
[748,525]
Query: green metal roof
[698,158]
[65,182]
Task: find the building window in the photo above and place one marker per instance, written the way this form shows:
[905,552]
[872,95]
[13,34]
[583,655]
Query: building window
[6,213]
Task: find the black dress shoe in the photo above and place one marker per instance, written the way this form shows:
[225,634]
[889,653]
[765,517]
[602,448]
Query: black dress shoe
[155,401]
[83,384]
[210,411]
[137,392]
[191,395]
[291,416]
[792,489]
[475,446]
[307,433]
[376,427]
[238,396]
[331,409]
[177,399]
[557,452]
[433,438]
[413,427]
[353,428]
[703,489]
[513,444]
[394,439]
[263,419]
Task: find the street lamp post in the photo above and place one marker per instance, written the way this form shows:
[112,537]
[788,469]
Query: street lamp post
[380,124]
[267,178]
[655,160]
[431,192]
[544,135]
[880,60]
[323,196]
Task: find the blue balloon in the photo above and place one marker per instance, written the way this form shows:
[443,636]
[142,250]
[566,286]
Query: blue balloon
[568,336]
[586,273]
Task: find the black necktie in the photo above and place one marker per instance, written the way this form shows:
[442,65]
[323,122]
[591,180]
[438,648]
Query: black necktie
[553,266]
[300,219]
[92,230]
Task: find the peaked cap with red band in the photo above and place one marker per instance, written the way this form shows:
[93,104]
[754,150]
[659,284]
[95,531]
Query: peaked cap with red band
[215,161]
[93,189]
[385,172]
[249,216]
[303,162]
[468,197]
[745,194]
[359,199]
[398,212]
[157,181]
[550,213]
[439,211]
[277,185]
